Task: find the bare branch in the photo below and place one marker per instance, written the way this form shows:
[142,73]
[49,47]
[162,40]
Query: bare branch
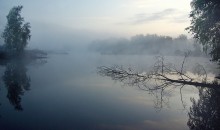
[158,79]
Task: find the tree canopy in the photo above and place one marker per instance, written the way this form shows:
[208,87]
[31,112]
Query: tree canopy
[205,25]
[16,33]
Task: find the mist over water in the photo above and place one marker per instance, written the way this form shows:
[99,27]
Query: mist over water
[79,101]
[67,90]
[106,65]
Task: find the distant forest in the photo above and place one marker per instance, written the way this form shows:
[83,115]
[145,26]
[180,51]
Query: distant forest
[147,44]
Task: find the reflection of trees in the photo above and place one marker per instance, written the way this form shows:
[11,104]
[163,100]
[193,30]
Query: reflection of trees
[204,114]
[16,79]
[16,82]
[161,80]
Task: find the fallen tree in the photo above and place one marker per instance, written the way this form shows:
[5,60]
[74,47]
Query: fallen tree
[165,73]
[163,76]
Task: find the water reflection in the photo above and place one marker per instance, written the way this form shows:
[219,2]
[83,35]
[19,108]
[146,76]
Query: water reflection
[162,79]
[204,114]
[16,80]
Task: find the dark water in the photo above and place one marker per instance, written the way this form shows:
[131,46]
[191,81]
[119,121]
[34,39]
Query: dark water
[66,93]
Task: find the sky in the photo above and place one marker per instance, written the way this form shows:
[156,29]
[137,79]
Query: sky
[122,18]
[128,17]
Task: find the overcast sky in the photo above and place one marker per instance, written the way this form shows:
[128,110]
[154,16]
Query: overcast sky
[120,17]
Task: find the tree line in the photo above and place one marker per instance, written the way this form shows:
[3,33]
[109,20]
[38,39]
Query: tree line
[148,44]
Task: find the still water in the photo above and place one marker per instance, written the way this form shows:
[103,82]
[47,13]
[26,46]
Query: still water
[64,92]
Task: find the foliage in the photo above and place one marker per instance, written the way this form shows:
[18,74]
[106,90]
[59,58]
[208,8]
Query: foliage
[205,25]
[16,33]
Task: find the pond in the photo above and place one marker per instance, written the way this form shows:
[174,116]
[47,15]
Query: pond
[64,92]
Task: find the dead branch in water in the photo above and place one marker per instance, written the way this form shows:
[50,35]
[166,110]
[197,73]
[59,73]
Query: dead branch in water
[161,72]
[162,76]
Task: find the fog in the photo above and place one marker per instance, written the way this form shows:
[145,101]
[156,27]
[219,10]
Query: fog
[118,64]
[45,36]
[55,37]
[71,24]
[152,44]
[52,37]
